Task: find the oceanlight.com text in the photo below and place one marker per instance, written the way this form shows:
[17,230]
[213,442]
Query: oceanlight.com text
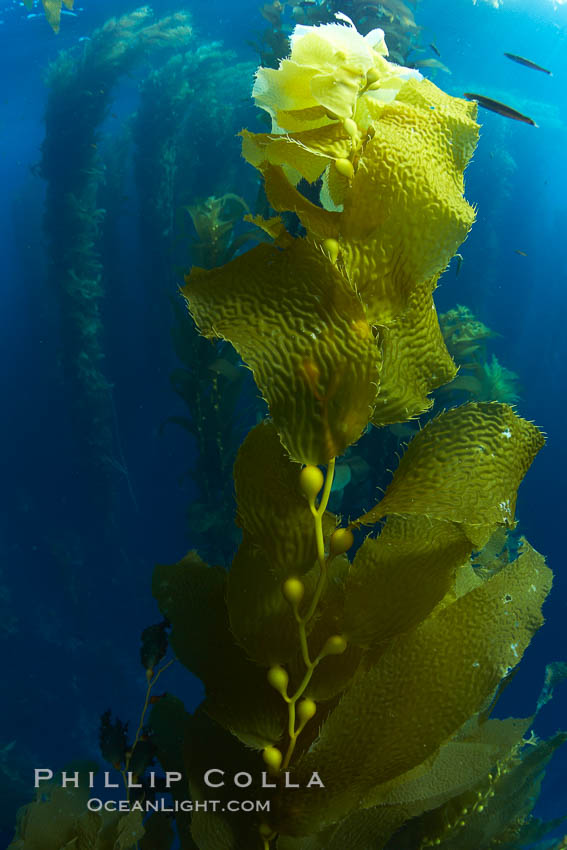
[95,804]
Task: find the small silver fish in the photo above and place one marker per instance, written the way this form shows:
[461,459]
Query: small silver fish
[527,63]
[499,108]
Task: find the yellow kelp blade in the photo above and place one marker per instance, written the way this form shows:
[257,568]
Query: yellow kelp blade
[261,620]
[271,508]
[191,595]
[404,214]
[459,119]
[52,10]
[465,466]
[397,579]
[263,624]
[301,328]
[308,152]
[404,217]
[278,543]
[497,809]
[59,818]
[421,690]
[273,227]
[321,224]
[415,360]
[404,211]
[459,765]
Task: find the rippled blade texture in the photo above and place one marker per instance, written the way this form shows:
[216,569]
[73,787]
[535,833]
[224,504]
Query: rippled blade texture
[398,578]
[405,214]
[293,318]
[465,466]
[421,690]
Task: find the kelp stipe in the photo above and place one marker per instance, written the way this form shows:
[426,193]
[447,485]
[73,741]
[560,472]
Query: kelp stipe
[81,82]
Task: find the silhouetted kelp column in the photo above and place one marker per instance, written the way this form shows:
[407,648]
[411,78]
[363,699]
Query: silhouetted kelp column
[184,134]
[183,120]
[81,81]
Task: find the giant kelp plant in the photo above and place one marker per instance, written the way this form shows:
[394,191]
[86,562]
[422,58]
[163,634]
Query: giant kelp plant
[373,677]
[81,81]
[351,696]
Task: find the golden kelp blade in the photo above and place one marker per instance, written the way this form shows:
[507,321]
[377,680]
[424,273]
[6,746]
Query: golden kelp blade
[59,817]
[498,807]
[309,151]
[404,212]
[191,595]
[278,542]
[397,578]
[415,360]
[424,686]
[52,10]
[271,508]
[459,765]
[295,320]
[405,215]
[408,185]
[465,466]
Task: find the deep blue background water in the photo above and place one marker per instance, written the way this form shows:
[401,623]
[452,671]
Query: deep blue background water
[70,632]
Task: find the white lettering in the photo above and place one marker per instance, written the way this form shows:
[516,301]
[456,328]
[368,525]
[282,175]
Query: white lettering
[208,774]
[172,776]
[131,783]
[265,783]
[243,783]
[289,784]
[70,779]
[315,780]
[107,782]
[41,775]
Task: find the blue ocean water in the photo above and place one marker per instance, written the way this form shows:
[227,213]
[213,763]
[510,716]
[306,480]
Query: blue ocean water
[75,578]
